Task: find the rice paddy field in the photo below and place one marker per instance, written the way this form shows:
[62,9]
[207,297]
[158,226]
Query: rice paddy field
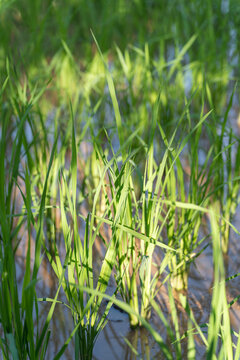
[119,179]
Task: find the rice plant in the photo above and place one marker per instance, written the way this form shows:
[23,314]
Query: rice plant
[136,227]
[76,269]
[221,341]
[216,335]
[19,338]
[184,218]
[225,167]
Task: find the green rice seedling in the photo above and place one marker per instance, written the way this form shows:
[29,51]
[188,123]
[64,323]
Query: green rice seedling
[172,350]
[154,217]
[142,76]
[128,309]
[219,321]
[219,342]
[184,220]
[119,204]
[12,327]
[226,165]
[183,226]
[217,339]
[138,74]
[18,335]
[232,192]
[122,211]
[79,262]
[132,220]
[131,262]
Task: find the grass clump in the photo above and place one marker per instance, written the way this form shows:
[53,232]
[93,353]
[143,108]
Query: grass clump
[19,339]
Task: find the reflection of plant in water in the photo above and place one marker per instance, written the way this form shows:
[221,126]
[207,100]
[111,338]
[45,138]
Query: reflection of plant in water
[133,339]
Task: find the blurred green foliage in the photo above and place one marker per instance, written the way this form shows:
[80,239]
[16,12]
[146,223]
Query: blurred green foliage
[33,29]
